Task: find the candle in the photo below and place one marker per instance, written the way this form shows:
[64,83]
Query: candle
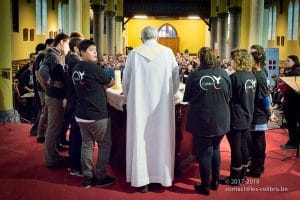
[117,85]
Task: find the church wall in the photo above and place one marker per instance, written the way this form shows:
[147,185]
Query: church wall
[290,46]
[21,49]
[192,33]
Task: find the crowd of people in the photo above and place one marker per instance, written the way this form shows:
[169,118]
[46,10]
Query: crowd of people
[70,82]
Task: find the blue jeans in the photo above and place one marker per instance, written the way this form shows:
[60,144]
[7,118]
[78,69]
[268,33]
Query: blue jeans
[98,131]
[209,158]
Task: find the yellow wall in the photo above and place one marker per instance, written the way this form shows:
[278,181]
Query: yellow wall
[245,21]
[5,57]
[21,49]
[291,47]
[86,19]
[191,32]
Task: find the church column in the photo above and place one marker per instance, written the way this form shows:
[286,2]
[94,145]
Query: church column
[110,27]
[119,27]
[86,19]
[110,32]
[119,35]
[98,27]
[235,23]
[256,22]
[245,21]
[213,32]
[222,34]
[65,7]
[6,99]
[75,13]
[265,26]
[213,24]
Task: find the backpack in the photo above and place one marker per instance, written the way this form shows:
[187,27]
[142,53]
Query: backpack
[44,73]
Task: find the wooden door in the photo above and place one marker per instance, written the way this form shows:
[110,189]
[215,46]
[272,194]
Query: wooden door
[171,42]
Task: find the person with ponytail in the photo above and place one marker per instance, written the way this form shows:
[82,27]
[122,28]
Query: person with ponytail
[262,112]
[208,91]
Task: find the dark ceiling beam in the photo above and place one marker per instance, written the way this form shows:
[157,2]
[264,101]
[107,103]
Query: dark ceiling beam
[206,21]
[171,8]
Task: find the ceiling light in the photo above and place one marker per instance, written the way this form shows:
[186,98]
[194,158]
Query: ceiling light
[193,17]
[140,17]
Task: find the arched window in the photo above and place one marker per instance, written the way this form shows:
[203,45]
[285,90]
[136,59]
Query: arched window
[41,16]
[167,30]
[59,16]
[290,21]
[228,26]
[293,20]
[296,20]
[272,23]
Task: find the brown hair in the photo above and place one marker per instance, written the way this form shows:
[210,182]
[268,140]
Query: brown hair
[259,57]
[76,34]
[207,58]
[74,42]
[241,59]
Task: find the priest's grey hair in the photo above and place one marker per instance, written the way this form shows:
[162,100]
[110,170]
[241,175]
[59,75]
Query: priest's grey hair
[149,32]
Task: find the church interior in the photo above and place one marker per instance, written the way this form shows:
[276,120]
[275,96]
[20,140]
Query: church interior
[115,26]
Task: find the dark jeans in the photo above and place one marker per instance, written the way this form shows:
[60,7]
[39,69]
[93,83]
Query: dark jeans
[75,144]
[292,116]
[239,147]
[209,158]
[258,150]
[65,126]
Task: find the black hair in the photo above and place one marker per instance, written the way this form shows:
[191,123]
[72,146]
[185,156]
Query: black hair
[85,44]
[259,57]
[60,37]
[40,47]
[49,41]
[294,58]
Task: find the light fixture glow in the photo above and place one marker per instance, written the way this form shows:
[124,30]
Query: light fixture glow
[193,17]
[140,17]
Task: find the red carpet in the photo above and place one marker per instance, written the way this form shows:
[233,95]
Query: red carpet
[24,176]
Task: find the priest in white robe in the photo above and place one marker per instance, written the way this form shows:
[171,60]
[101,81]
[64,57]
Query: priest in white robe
[150,81]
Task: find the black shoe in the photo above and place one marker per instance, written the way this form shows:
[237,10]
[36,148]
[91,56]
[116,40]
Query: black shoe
[61,147]
[199,188]
[62,162]
[87,182]
[40,139]
[214,185]
[108,180]
[254,173]
[143,189]
[64,142]
[33,133]
[288,147]
[155,186]
[75,172]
